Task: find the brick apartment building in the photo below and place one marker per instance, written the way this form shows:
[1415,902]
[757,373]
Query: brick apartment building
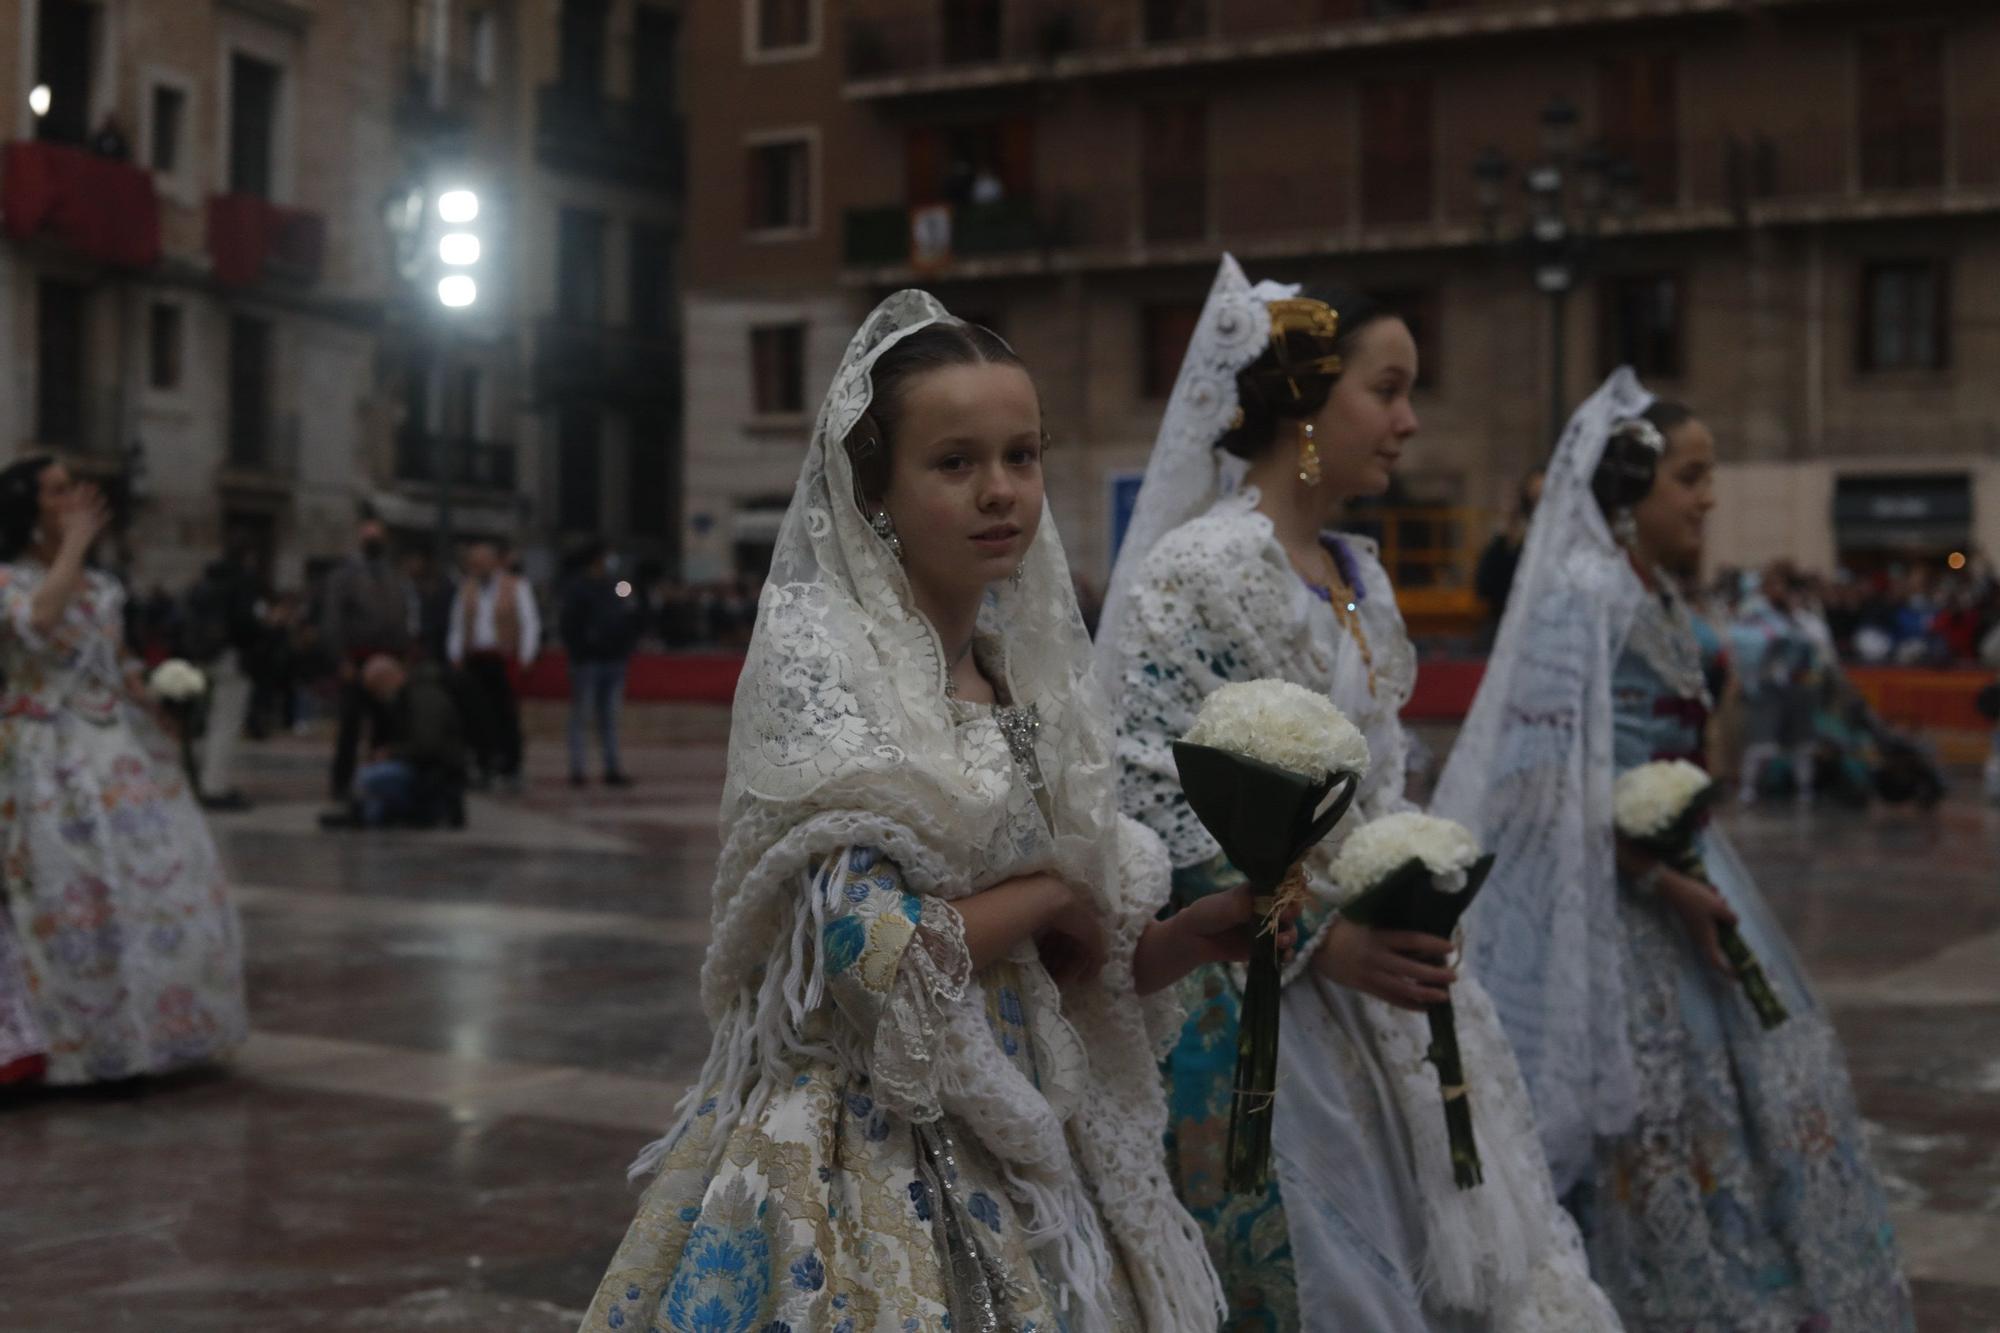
[1811,255]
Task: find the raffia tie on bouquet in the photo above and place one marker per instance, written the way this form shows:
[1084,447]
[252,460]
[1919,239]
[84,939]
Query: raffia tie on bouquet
[1290,899]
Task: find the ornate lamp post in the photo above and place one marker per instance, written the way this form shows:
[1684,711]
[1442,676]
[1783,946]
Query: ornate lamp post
[1569,194]
[437,233]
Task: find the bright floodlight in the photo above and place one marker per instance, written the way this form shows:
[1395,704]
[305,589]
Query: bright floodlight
[457,291]
[41,99]
[458,206]
[459,248]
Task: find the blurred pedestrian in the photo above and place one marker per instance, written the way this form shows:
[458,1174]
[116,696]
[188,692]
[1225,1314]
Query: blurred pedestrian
[601,622]
[222,632]
[274,667]
[496,631]
[1493,580]
[436,591]
[369,607]
[1778,662]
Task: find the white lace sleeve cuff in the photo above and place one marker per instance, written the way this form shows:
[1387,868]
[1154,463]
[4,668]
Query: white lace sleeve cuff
[896,963]
[932,976]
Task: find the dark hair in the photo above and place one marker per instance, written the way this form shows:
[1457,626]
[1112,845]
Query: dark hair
[934,347]
[21,503]
[1268,392]
[1626,471]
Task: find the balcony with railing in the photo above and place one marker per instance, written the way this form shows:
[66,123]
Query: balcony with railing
[900,48]
[469,464]
[597,363]
[1711,182]
[252,241]
[1829,172]
[943,233]
[582,130]
[97,208]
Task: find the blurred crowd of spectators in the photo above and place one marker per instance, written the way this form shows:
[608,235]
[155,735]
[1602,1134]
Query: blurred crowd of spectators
[1910,615]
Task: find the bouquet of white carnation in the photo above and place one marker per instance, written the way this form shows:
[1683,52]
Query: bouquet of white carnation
[1281,724]
[1416,872]
[1269,768]
[1661,808]
[178,681]
[183,690]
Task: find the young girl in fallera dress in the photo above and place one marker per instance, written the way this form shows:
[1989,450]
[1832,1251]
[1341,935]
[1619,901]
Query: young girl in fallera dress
[1285,409]
[936,981]
[1719,1170]
[120,952]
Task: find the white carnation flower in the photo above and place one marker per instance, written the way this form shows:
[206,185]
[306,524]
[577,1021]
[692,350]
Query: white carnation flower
[177,681]
[1377,850]
[1651,798]
[1285,725]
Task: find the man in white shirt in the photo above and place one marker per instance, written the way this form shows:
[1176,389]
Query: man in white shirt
[495,632]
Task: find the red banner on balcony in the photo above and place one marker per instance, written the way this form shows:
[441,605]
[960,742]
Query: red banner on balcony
[100,207]
[251,239]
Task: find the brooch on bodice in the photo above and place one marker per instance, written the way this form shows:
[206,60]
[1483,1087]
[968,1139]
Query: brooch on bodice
[1020,726]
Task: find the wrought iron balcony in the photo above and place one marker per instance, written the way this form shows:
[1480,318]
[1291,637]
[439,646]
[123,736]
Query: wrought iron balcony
[581,130]
[98,208]
[471,464]
[252,240]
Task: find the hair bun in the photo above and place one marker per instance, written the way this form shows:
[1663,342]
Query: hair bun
[1627,468]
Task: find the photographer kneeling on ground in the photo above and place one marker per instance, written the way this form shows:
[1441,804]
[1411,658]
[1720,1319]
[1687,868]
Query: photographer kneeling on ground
[416,776]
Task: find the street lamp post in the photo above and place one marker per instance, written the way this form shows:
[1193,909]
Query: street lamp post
[439,241]
[1568,195]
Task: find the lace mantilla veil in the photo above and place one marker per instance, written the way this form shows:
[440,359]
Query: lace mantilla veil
[1531,775]
[1186,472]
[842,735]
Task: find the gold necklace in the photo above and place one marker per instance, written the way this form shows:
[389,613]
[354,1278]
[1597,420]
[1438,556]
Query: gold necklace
[1346,610]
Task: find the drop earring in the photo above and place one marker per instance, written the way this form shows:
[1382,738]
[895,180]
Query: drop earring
[1308,456]
[1625,529]
[887,532]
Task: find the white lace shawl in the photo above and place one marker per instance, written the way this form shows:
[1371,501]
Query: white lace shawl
[1217,601]
[842,734]
[1531,775]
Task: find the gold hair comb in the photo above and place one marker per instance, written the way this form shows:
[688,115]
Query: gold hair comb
[1314,319]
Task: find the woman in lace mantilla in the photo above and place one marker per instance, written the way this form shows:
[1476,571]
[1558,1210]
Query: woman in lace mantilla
[1719,1171]
[931,1102]
[1364,1226]
[120,952]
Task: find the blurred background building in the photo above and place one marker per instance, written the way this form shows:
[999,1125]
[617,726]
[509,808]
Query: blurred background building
[203,304]
[1782,210]
[1801,239]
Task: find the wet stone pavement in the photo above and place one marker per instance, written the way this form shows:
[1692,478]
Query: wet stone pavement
[462,1039]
